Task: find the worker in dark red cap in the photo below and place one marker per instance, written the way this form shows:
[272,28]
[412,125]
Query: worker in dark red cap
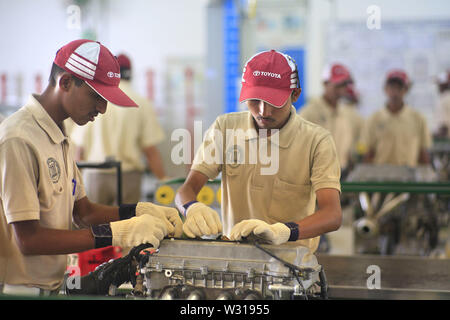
[329,112]
[396,134]
[272,198]
[112,137]
[41,189]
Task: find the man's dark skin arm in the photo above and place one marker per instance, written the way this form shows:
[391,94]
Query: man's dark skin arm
[191,187]
[326,219]
[33,239]
[424,157]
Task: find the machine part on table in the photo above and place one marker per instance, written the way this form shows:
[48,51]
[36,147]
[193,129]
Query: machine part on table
[397,222]
[224,270]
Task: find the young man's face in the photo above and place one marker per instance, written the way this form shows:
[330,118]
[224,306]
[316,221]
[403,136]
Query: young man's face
[83,104]
[267,116]
[335,91]
[395,92]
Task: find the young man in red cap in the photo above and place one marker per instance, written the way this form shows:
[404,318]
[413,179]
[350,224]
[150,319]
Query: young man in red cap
[329,112]
[41,191]
[396,134]
[276,205]
[112,136]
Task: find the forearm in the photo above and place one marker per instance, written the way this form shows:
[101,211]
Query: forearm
[36,240]
[321,222]
[155,162]
[184,195]
[89,213]
[424,157]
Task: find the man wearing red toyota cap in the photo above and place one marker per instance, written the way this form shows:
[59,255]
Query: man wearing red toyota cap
[396,134]
[275,205]
[329,112]
[41,191]
[112,137]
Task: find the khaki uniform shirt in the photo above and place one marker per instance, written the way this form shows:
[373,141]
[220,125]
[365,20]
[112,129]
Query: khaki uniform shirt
[281,190]
[337,121]
[39,181]
[396,138]
[443,112]
[120,133]
[356,121]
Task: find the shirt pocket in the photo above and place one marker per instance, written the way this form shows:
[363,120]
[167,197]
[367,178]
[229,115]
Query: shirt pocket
[58,189]
[233,171]
[289,202]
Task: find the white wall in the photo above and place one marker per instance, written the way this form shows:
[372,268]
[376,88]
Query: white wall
[324,12]
[31,31]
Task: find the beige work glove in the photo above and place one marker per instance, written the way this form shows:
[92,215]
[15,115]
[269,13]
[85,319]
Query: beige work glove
[201,220]
[169,215]
[277,233]
[137,230]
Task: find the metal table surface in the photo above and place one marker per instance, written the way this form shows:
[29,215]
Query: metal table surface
[400,277]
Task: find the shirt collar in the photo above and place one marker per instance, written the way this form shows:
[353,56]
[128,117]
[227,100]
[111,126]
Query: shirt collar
[286,134]
[44,120]
[402,111]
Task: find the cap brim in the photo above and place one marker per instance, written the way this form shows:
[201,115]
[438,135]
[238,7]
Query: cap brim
[275,97]
[112,94]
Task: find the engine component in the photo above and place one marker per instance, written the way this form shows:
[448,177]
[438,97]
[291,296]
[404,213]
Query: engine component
[225,270]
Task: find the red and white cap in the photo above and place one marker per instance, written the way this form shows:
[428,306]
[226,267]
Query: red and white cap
[336,73]
[399,75]
[96,65]
[269,76]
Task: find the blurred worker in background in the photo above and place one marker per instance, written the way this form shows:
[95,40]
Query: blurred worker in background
[396,134]
[443,109]
[329,112]
[351,102]
[277,206]
[41,190]
[124,135]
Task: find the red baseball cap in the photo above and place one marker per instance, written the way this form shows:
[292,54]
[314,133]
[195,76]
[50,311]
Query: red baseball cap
[96,65]
[124,61]
[269,76]
[336,73]
[398,74]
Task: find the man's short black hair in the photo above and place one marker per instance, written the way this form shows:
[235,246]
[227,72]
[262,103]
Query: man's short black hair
[57,70]
[125,73]
[397,82]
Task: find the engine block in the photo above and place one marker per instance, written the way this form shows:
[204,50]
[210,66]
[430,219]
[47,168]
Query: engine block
[226,270]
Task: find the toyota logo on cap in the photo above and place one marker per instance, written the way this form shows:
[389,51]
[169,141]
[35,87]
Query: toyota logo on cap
[256,73]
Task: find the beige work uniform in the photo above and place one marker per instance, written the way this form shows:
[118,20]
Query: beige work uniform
[120,134]
[39,181]
[307,163]
[443,112]
[336,120]
[396,138]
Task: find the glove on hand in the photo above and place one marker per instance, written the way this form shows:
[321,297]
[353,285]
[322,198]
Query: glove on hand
[276,234]
[169,215]
[137,230]
[201,220]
